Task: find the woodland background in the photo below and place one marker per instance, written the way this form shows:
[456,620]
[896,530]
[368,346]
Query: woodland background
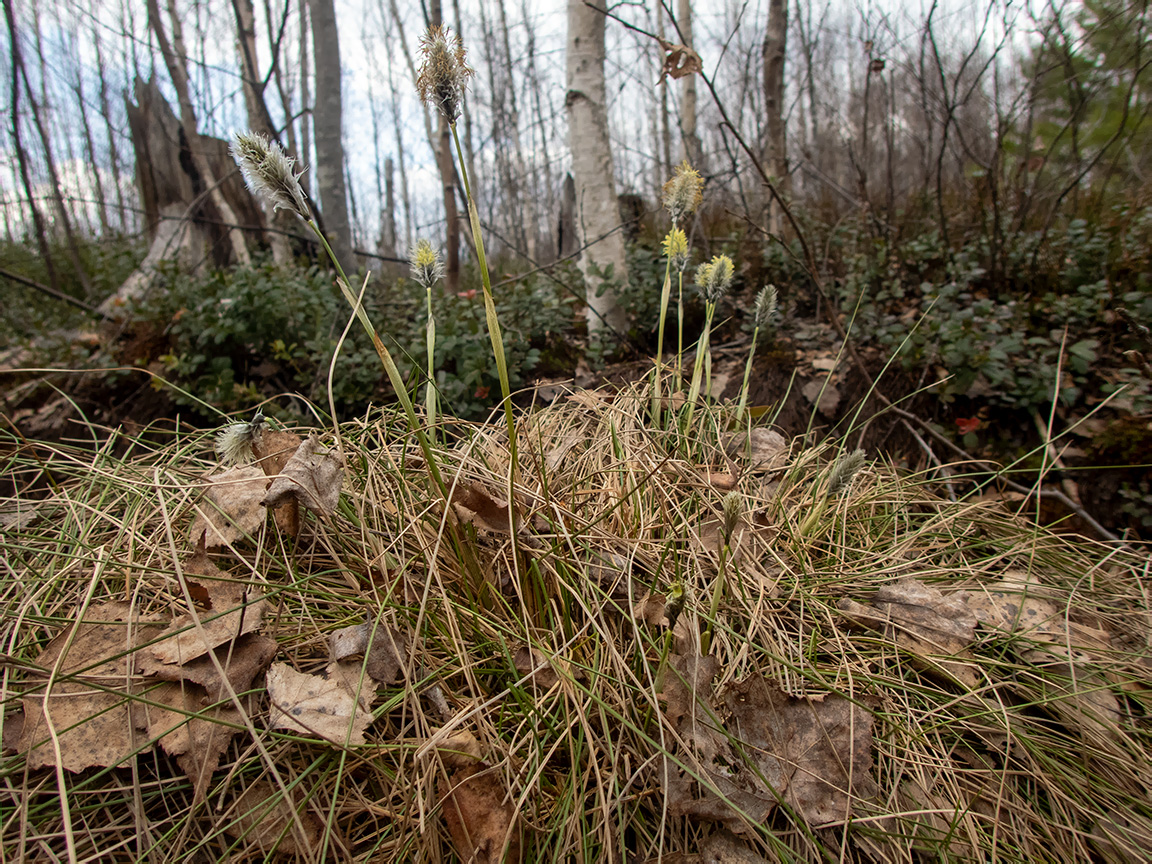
[962,189]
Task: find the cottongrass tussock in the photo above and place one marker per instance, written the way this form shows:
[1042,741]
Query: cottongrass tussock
[929,679]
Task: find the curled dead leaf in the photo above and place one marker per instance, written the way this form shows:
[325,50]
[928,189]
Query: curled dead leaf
[532,663]
[232,507]
[679,61]
[87,703]
[460,749]
[481,816]
[313,476]
[191,729]
[937,629]
[265,817]
[480,508]
[814,754]
[765,449]
[320,707]
[242,660]
[383,647]
[234,609]
[273,449]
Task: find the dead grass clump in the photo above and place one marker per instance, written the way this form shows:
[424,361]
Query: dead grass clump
[417,674]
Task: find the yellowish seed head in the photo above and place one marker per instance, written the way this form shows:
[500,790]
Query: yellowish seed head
[684,192]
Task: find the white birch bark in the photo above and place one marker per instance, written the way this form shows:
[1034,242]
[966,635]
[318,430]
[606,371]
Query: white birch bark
[597,207]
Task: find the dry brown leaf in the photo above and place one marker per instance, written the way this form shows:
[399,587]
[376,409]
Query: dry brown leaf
[313,476]
[316,706]
[350,675]
[528,661]
[480,815]
[652,609]
[242,660]
[459,750]
[386,649]
[234,609]
[273,449]
[766,449]
[925,622]
[13,729]
[725,848]
[1069,682]
[93,723]
[679,61]
[816,754]
[267,818]
[193,729]
[232,508]
[486,511]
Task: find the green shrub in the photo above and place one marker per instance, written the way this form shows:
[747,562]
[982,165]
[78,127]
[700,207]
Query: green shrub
[1000,337]
[241,335]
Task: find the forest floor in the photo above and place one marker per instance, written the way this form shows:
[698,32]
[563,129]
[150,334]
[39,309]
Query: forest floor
[637,636]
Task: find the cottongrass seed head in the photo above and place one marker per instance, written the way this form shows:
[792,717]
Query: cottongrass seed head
[732,507]
[426,265]
[845,469]
[234,443]
[268,172]
[684,192]
[443,74]
[715,277]
[765,307]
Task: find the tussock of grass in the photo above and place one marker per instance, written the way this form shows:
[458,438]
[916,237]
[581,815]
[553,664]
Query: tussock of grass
[1023,766]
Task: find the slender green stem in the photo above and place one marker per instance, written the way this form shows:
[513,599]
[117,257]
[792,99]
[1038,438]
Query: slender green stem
[664,295]
[680,331]
[702,348]
[430,390]
[747,376]
[494,332]
[385,356]
[714,606]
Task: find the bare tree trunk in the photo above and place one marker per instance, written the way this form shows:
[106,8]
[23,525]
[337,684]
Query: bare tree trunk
[90,148]
[664,151]
[597,206]
[275,42]
[405,198]
[693,149]
[328,130]
[174,55]
[306,120]
[776,154]
[259,120]
[18,69]
[387,244]
[113,151]
[21,154]
[544,159]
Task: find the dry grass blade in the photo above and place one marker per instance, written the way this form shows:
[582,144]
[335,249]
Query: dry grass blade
[986,696]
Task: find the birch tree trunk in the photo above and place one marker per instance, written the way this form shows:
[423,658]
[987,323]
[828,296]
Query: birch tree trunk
[775,152]
[448,184]
[597,207]
[327,129]
[693,149]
